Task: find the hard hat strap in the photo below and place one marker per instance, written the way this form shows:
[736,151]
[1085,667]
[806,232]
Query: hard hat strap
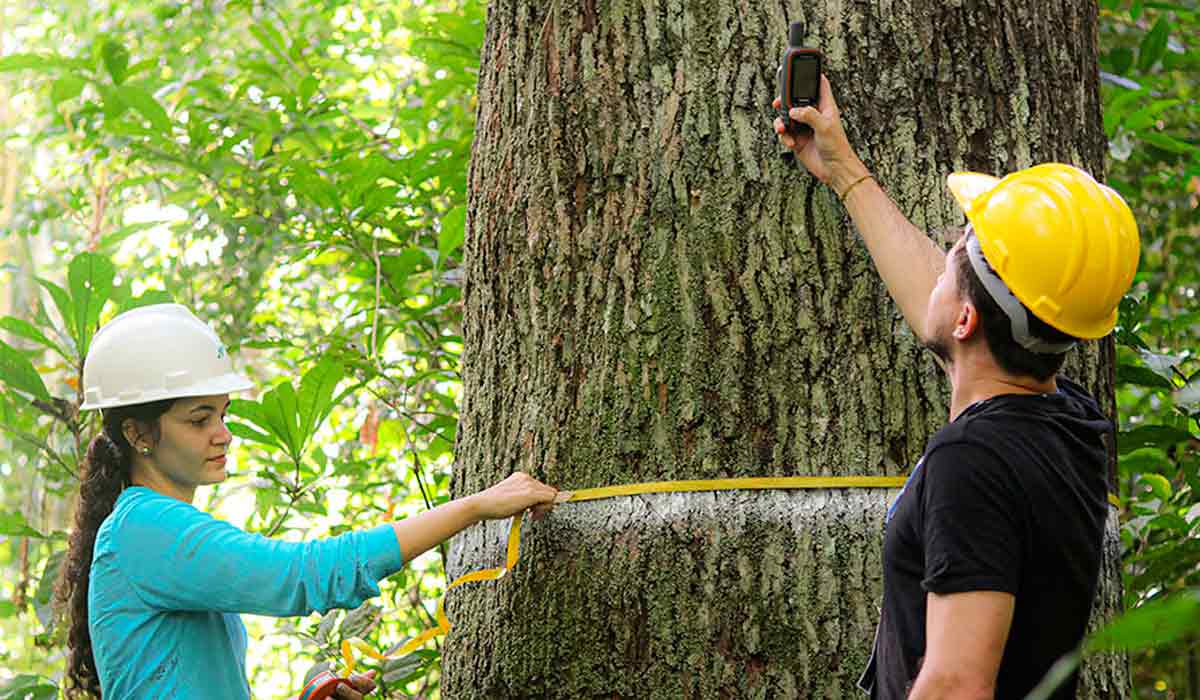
[1018,315]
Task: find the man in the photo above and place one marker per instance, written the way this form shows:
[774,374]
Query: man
[992,550]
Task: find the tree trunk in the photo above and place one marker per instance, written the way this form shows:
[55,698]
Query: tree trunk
[653,293]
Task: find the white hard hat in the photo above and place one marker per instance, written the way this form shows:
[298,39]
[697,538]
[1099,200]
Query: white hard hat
[156,352]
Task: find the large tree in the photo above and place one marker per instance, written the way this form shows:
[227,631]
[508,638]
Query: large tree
[653,293]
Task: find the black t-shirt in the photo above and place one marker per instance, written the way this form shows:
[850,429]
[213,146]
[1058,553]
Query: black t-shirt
[1010,497]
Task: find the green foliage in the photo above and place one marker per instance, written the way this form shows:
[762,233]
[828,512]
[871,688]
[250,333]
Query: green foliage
[28,687]
[1149,58]
[296,174]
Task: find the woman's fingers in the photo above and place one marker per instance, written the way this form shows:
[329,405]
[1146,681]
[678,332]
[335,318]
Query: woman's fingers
[516,494]
[360,684]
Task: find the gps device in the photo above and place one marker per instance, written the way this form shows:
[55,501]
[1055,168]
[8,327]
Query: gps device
[799,77]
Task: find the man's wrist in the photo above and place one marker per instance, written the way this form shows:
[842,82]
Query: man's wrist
[841,178]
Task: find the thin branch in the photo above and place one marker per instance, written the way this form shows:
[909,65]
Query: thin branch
[41,446]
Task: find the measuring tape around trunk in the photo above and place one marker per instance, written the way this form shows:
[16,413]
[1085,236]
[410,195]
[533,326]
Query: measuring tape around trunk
[349,646]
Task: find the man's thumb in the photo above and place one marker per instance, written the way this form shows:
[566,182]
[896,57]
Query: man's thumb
[805,115]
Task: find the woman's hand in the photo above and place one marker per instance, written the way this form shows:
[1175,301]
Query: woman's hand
[516,494]
[364,684]
[325,685]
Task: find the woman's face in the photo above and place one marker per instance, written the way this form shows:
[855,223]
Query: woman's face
[191,447]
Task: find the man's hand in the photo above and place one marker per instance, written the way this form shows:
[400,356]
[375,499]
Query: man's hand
[825,151]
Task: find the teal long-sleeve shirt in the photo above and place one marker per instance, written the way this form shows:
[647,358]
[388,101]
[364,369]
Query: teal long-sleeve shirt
[168,582]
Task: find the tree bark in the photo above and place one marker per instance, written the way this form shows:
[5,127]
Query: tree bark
[653,293]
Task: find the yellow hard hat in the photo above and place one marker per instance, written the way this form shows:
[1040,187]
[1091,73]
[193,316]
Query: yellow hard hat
[1065,245]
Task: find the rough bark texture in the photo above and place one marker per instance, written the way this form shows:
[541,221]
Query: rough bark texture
[652,293]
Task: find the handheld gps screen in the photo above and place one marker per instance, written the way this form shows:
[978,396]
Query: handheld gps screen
[806,80]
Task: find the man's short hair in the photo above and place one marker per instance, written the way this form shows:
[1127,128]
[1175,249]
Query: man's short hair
[997,329]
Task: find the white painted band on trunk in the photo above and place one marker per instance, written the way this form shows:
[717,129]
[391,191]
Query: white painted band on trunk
[727,512]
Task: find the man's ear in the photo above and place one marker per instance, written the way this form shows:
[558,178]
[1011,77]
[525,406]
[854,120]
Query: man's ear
[966,326]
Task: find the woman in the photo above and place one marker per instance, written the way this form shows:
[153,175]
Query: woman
[154,586]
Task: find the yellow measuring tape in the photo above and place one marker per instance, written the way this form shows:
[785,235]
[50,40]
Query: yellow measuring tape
[349,646]
[514,537]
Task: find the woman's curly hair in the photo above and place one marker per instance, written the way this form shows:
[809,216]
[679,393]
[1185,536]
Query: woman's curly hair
[104,475]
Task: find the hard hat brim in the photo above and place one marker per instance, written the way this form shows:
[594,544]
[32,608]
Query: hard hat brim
[226,384]
[967,187]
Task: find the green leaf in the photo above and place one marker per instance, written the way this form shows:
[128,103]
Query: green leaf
[1165,142]
[360,621]
[1169,521]
[146,298]
[115,237]
[266,417]
[14,525]
[26,61]
[453,231]
[62,302]
[245,432]
[319,667]
[262,144]
[398,268]
[29,331]
[1154,624]
[308,87]
[1142,376]
[43,597]
[1120,60]
[18,373]
[270,38]
[1153,45]
[111,100]
[116,59]
[1150,436]
[28,687]
[1114,114]
[316,394]
[148,107]
[1157,485]
[66,88]
[404,669]
[278,408]
[1148,116]
[91,281]
[1150,459]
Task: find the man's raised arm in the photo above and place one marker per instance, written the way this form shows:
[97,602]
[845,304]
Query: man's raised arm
[907,260]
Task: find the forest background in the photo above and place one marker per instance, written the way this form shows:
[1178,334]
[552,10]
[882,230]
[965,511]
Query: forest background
[296,174]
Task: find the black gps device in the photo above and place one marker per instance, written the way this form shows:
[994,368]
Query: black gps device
[799,77]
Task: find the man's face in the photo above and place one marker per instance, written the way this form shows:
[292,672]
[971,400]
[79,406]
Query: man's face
[946,307]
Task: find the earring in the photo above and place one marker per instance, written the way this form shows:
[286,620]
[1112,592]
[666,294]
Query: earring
[146,451]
